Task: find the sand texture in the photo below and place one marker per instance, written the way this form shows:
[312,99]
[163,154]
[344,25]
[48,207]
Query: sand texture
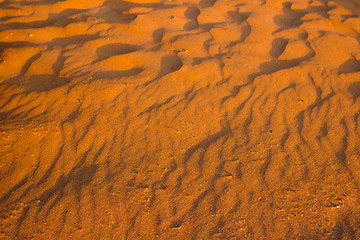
[172,119]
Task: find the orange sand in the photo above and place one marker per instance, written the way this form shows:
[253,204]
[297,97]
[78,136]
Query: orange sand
[171,119]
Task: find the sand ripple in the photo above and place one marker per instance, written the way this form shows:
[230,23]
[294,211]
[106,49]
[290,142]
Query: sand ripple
[157,119]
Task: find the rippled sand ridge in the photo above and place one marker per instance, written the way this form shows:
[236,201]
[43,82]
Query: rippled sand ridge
[173,119]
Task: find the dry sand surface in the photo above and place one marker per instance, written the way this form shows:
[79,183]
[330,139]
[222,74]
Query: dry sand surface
[172,119]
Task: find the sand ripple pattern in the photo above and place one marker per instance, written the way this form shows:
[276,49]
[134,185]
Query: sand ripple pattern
[159,119]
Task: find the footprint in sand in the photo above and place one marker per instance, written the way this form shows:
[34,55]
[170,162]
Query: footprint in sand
[191,13]
[169,64]
[238,17]
[354,90]
[350,66]
[207,3]
[158,35]
[278,47]
[290,18]
[114,49]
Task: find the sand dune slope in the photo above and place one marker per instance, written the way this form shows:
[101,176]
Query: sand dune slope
[170,119]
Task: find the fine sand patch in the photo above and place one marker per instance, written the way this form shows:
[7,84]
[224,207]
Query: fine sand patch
[171,119]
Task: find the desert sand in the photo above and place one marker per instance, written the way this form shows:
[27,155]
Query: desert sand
[174,119]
